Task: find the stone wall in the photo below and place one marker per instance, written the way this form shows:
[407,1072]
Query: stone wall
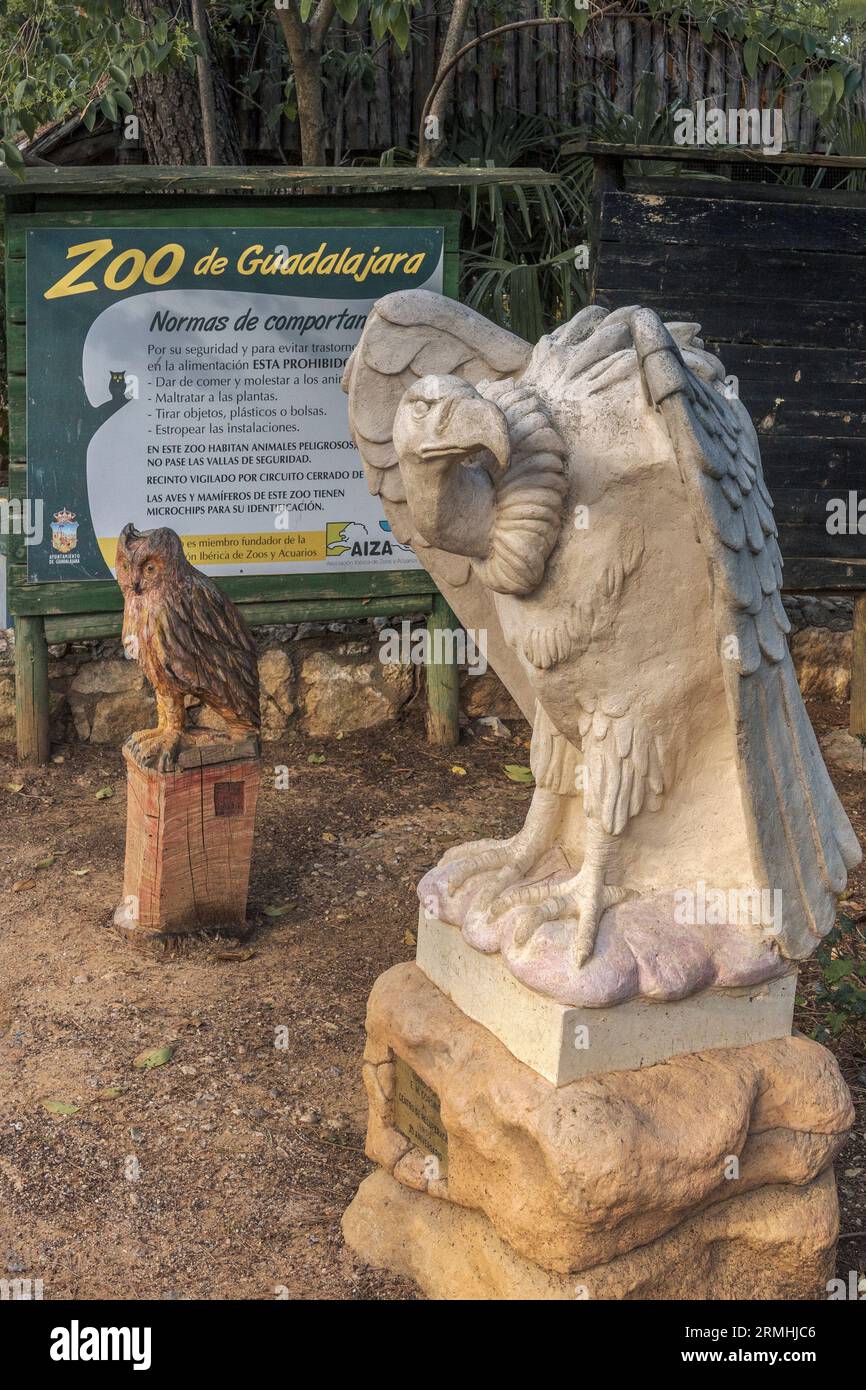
[321,680]
[316,679]
[821,645]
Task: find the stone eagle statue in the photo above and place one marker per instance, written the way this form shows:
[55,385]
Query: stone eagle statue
[597,505]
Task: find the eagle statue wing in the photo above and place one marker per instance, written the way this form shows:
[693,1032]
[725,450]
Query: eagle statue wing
[801,840]
[408,335]
[208,649]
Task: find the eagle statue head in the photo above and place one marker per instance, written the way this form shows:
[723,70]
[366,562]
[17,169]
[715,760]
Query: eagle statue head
[475,486]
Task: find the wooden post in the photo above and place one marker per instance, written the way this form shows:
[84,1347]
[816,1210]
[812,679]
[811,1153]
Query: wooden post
[858,668]
[443,676]
[31,690]
[607,176]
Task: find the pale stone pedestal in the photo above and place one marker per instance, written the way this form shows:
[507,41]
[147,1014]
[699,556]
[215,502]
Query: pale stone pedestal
[777,1243]
[708,1176]
[561,1042]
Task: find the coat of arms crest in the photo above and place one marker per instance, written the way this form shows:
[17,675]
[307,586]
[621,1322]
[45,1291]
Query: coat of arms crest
[64,531]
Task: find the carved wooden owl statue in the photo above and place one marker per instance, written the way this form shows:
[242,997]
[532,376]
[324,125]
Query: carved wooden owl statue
[188,638]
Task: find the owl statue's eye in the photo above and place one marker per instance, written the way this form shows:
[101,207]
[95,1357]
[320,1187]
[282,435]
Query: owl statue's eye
[420,409]
[151,568]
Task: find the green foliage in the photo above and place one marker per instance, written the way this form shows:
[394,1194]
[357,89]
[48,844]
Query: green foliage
[845,135]
[840,992]
[520,242]
[646,124]
[65,59]
[818,46]
[239,27]
[392,17]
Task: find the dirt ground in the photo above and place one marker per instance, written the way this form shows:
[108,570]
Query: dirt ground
[246,1153]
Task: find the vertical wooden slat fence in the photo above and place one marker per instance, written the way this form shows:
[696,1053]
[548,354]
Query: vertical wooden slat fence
[550,71]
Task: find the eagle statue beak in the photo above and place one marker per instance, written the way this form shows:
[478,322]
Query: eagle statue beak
[463,425]
[453,447]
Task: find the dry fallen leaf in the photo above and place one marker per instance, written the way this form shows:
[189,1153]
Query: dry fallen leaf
[516,772]
[239,954]
[104,793]
[459,771]
[79,873]
[409,938]
[14,787]
[329,837]
[46,862]
[60,1107]
[155,1057]
[277,911]
[22,884]
[316,758]
[109,1093]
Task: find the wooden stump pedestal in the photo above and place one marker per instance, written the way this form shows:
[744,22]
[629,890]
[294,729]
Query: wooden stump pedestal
[189,840]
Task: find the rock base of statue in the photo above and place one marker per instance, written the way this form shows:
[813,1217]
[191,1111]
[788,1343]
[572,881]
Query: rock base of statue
[562,1042]
[708,1176]
[189,839]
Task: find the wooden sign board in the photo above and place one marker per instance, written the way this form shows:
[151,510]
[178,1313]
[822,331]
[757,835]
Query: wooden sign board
[176,360]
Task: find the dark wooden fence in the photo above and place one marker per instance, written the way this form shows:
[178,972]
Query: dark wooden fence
[550,71]
[776,278]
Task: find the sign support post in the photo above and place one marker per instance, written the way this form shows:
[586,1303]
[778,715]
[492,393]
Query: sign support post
[31,689]
[443,677]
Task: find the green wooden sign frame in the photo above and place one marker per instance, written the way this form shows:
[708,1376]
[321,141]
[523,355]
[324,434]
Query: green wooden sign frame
[52,612]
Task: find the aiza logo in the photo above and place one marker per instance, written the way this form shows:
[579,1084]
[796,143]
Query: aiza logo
[353,538]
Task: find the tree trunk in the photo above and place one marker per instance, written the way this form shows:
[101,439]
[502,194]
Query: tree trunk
[305,43]
[168,106]
[204,73]
[453,42]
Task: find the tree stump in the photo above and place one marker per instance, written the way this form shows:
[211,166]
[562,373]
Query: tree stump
[189,839]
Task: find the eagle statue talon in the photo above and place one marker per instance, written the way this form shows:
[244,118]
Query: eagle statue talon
[579,903]
[501,860]
[482,875]
[497,865]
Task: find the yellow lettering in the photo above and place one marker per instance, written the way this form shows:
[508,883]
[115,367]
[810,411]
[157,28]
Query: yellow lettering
[176,254]
[243,268]
[112,273]
[71,282]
